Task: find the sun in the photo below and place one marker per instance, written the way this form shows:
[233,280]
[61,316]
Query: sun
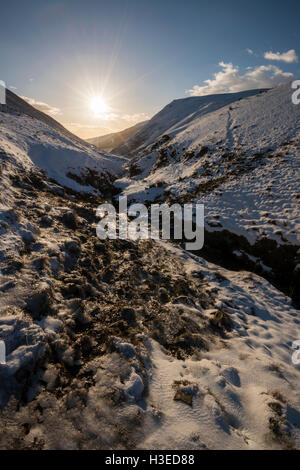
[98,106]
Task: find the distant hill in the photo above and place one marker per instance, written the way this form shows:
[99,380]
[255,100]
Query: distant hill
[111,142]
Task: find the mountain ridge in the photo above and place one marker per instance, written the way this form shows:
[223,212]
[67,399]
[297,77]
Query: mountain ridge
[179,112]
[112,141]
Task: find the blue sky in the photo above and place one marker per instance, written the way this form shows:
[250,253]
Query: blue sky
[140,55]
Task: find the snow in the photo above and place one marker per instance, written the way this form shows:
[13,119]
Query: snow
[248,176]
[134,387]
[25,345]
[29,143]
[237,380]
[50,325]
[125,348]
[178,115]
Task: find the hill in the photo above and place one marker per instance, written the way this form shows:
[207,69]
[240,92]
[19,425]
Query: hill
[242,162]
[111,142]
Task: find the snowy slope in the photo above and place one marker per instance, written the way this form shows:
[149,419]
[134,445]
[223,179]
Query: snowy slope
[241,394]
[17,104]
[157,346]
[177,116]
[241,161]
[29,143]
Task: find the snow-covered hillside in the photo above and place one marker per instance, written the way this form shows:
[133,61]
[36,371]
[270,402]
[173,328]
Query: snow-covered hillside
[159,347]
[31,141]
[177,116]
[40,142]
[113,141]
[243,162]
[234,395]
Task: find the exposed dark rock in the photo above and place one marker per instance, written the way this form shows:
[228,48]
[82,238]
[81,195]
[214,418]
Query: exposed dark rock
[70,220]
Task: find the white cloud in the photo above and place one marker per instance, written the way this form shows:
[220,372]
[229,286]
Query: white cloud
[135,118]
[41,106]
[229,80]
[289,56]
[250,51]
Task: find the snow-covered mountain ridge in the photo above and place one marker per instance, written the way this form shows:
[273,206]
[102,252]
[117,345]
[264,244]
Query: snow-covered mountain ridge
[177,116]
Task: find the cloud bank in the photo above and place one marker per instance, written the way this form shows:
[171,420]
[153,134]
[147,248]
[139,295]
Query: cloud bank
[230,80]
[135,118]
[288,57]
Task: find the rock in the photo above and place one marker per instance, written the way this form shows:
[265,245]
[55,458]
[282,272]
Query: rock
[46,221]
[100,247]
[72,247]
[185,392]
[221,319]
[70,220]
[128,314]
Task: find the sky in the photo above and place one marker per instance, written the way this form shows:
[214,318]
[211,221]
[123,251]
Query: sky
[99,66]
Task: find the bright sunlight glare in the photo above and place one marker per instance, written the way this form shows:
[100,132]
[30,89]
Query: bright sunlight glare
[98,106]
